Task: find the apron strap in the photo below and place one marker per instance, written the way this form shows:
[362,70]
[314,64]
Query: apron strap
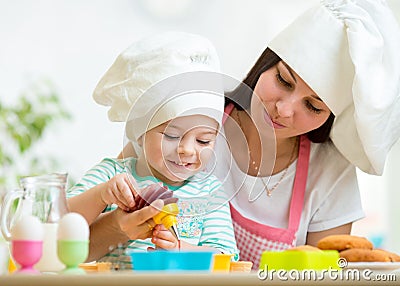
[227,112]
[300,182]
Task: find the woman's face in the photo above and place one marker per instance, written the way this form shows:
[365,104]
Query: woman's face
[288,104]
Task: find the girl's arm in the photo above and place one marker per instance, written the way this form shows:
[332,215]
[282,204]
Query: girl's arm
[118,190]
[89,204]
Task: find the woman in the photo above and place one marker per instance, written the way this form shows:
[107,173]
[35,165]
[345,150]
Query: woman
[322,92]
[298,199]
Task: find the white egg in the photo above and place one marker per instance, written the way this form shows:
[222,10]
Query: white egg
[28,227]
[73,227]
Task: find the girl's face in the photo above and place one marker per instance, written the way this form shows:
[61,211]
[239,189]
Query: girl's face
[288,104]
[178,149]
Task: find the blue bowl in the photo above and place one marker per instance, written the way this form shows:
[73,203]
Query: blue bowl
[161,260]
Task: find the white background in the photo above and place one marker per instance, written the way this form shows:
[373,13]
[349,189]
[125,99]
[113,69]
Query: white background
[73,43]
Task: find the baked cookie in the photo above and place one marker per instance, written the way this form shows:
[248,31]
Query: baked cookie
[305,248]
[392,256]
[343,241]
[365,255]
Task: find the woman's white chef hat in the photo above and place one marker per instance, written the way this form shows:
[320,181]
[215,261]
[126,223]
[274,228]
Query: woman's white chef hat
[161,77]
[348,52]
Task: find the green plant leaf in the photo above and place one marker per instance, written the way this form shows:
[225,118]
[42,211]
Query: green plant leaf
[24,124]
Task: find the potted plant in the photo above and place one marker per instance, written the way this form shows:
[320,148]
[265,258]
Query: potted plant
[22,126]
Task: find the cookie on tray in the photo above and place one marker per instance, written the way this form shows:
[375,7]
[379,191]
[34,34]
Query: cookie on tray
[364,255]
[344,241]
[392,256]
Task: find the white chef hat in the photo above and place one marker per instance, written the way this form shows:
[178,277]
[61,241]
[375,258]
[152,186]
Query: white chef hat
[347,51]
[190,93]
[161,77]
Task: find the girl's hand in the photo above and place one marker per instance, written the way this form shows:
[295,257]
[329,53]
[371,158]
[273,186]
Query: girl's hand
[120,190]
[163,238]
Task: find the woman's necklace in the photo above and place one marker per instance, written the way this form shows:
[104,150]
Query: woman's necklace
[269,191]
[255,166]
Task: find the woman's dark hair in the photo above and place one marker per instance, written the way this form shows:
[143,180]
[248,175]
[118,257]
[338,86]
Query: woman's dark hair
[241,95]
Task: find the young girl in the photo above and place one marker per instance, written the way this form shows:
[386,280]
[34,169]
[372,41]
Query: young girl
[174,125]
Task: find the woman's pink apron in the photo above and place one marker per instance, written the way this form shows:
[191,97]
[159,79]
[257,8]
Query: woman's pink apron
[253,238]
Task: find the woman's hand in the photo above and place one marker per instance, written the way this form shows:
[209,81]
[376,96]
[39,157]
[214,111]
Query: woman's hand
[120,190]
[138,224]
[118,226]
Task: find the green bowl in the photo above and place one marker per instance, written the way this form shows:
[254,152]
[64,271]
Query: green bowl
[299,260]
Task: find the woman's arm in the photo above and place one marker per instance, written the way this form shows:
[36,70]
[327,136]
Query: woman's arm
[314,237]
[105,234]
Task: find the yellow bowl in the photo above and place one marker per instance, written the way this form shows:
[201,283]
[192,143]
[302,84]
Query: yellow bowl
[222,262]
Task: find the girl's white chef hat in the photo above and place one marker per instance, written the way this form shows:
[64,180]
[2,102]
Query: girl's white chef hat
[161,77]
[347,51]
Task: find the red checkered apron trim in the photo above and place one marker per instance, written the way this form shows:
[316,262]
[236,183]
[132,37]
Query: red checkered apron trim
[253,238]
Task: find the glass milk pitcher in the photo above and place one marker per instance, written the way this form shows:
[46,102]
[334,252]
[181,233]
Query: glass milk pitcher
[44,197]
